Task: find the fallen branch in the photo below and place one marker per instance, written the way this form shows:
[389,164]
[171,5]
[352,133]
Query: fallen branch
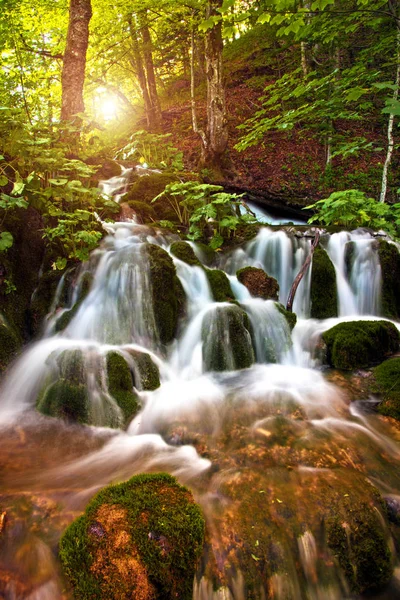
[302,271]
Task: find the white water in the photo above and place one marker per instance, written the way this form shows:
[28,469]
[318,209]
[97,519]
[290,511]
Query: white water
[283,384]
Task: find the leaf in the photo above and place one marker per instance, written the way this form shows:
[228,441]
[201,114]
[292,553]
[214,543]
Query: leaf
[255,557]
[6,240]
[61,263]
[216,241]
[3,180]
[18,188]
[58,181]
[264,18]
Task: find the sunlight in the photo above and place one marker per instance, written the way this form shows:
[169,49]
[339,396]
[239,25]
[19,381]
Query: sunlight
[108,108]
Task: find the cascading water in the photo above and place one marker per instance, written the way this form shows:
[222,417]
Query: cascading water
[241,415]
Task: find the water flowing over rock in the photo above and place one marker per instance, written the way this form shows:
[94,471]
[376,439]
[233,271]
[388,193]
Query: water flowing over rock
[154,358]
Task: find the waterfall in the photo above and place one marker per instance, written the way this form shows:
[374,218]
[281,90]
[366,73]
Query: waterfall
[137,374]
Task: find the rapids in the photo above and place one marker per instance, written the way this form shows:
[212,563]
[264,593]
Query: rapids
[258,446]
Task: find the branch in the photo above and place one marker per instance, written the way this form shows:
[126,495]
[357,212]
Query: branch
[41,52]
[301,273]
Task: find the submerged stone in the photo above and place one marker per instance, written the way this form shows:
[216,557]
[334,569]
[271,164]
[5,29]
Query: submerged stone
[167,292]
[389,258]
[140,539]
[226,335]
[386,383]
[323,293]
[120,385]
[259,284]
[357,344]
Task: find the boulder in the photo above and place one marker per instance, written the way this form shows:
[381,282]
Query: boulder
[259,284]
[323,293]
[140,539]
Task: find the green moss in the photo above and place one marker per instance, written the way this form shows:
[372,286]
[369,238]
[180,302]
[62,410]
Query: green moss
[162,531]
[85,283]
[168,294]
[226,334]
[146,371]
[71,366]
[360,343]
[65,400]
[356,539]
[323,292]
[120,384]
[207,254]
[143,210]
[290,317]
[146,188]
[10,344]
[389,258]
[349,251]
[259,284]
[184,252]
[220,286]
[386,382]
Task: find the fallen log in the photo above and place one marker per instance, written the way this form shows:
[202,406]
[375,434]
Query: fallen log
[301,273]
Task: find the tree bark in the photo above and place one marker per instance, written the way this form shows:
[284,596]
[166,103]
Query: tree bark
[217,124]
[73,73]
[141,75]
[390,136]
[156,116]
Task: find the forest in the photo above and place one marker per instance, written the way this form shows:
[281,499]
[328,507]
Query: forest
[199,299]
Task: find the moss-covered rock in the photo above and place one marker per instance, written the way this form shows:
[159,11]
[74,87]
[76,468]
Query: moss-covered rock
[259,284]
[386,383]
[355,536]
[147,375]
[120,385]
[227,343]
[323,294]
[85,283]
[10,343]
[146,188]
[140,539]
[349,252]
[168,294]
[389,258]
[358,344]
[290,317]
[42,299]
[220,286]
[184,252]
[207,254]
[144,211]
[65,400]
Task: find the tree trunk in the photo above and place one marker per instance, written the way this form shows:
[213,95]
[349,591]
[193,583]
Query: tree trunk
[73,73]
[141,75]
[301,273]
[390,136]
[150,75]
[217,125]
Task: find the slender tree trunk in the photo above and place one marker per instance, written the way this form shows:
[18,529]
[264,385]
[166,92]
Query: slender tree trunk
[304,64]
[150,75]
[195,125]
[390,136]
[137,64]
[217,125]
[73,73]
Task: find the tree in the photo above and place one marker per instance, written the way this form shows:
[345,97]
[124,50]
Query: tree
[74,63]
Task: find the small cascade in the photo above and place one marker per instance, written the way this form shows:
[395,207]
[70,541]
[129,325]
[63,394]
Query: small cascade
[270,330]
[116,187]
[358,272]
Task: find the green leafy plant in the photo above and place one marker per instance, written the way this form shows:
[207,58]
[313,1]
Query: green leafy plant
[352,208]
[153,149]
[198,206]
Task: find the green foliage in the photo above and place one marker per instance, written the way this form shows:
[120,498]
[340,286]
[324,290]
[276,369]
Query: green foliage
[199,206]
[352,208]
[154,150]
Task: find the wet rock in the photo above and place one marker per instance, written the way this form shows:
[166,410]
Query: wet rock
[85,283]
[147,187]
[386,383]
[290,316]
[358,344]
[120,385]
[147,375]
[389,258]
[168,294]
[184,252]
[259,284]
[220,286]
[153,537]
[323,293]
[10,343]
[227,344]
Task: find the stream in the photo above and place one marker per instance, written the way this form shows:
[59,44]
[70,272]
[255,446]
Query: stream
[264,450]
